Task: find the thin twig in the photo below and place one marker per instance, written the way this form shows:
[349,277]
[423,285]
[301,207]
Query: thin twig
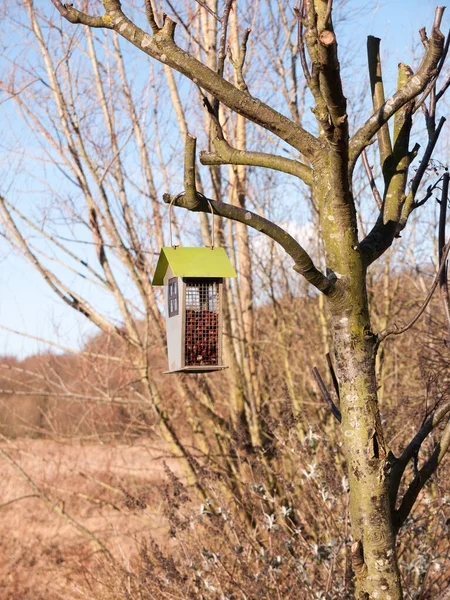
[333,376]
[301,44]
[208,9]
[445,595]
[430,190]
[426,158]
[373,185]
[328,13]
[214,114]
[5,504]
[394,329]
[443,279]
[223,38]
[56,508]
[185,26]
[432,85]
[151,16]
[326,395]
[238,63]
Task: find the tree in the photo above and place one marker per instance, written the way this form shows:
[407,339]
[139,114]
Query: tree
[326,163]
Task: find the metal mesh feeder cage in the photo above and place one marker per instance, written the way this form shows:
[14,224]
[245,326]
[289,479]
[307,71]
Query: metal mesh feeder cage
[193,282]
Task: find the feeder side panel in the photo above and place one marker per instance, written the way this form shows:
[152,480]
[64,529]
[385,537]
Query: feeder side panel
[220,341]
[174,325]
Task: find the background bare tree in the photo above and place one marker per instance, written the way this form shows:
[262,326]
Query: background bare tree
[92,119]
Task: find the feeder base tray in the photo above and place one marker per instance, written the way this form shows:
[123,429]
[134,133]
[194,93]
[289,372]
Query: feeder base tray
[197,369]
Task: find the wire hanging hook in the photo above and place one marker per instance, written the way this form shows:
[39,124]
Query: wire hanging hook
[212,222]
[171,214]
[170,218]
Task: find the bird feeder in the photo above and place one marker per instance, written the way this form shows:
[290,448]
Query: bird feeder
[193,284]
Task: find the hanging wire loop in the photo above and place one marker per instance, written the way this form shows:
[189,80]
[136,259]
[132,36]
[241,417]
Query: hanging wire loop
[177,197]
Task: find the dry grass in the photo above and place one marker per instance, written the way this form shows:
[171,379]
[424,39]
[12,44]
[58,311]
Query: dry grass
[42,556]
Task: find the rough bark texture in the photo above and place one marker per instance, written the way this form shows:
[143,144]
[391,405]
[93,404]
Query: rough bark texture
[354,348]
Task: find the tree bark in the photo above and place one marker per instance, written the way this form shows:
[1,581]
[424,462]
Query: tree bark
[368,459]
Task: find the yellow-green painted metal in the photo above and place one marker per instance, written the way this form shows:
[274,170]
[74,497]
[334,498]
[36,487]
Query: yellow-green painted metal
[193,262]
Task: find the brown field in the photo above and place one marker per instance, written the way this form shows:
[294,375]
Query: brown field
[108,489]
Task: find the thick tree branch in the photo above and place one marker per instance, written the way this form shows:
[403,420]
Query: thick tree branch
[190,191]
[302,261]
[78,17]
[151,16]
[383,233]
[378,97]
[227,155]
[311,39]
[223,38]
[330,81]
[163,48]
[397,165]
[411,90]
[431,88]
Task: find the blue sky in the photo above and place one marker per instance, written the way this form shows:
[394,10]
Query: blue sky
[28,305]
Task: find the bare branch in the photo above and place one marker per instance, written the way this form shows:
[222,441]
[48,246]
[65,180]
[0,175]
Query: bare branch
[302,261]
[77,17]
[67,295]
[330,81]
[426,158]
[150,13]
[383,233]
[333,375]
[208,9]
[443,280]
[411,90]
[223,38]
[227,155]
[395,329]
[326,395]
[163,48]
[414,446]
[378,97]
[238,63]
[328,13]
[373,185]
[55,507]
[428,195]
[190,191]
[422,477]
[299,13]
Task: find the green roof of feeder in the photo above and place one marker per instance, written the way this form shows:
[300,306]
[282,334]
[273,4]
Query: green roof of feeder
[193,262]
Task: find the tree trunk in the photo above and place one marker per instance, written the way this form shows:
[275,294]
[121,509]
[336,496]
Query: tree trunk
[368,462]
